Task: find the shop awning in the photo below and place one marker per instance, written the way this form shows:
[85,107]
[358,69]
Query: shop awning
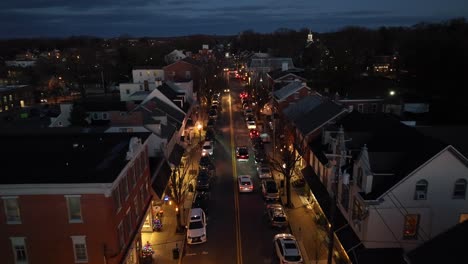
[176,155]
[348,239]
[162,177]
[322,196]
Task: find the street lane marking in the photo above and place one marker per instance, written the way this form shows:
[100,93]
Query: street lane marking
[236,194]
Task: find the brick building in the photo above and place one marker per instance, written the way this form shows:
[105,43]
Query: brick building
[78,198]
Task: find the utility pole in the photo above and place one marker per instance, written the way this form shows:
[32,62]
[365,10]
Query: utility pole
[339,157]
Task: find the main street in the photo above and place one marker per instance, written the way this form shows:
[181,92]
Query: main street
[237,230]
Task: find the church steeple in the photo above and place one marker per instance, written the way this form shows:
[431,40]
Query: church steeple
[310,37]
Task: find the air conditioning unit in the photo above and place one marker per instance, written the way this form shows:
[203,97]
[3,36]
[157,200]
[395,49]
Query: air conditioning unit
[420,195]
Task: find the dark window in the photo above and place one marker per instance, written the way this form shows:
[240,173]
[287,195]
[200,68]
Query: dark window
[460,189]
[421,190]
[345,196]
[359,177]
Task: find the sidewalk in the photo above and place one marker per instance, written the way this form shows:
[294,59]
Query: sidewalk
[301,216]
[167,239]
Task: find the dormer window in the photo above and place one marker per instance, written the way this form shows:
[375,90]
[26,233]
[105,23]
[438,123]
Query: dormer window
[421,190]
[460,189]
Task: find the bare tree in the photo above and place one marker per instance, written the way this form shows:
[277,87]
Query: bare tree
[180,183]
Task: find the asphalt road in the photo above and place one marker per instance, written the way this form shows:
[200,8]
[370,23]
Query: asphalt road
[237,229]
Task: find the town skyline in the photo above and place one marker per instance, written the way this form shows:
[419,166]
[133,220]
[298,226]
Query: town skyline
[57,18]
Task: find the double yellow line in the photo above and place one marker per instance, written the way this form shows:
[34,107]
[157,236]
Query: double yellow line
[236,193]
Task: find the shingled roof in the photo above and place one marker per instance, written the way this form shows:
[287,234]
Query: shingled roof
[279,73]
[319,116]
[288,90]
[302,106]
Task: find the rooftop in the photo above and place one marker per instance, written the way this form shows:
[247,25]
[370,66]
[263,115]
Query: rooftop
[59,156]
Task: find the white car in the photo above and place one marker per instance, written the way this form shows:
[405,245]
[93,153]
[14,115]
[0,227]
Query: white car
[196,229]
[245,183]
[264,172]
[251,125]
[287,249]
[207,148]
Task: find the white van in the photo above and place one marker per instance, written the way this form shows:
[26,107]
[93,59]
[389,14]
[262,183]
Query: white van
[196,229]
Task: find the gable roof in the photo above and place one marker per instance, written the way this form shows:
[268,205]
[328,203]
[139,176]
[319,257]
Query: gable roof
[58,156]
[453,135]
[302,106]
[318,117]
[394,149]
[447,247]
[288,90]
[279,73]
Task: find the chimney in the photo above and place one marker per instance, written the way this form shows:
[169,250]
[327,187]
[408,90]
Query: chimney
[284,66]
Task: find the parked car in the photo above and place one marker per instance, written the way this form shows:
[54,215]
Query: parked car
[270,190]
[203,181]
[260,156]
[205,163]
[196,228]
[207,148]
[210,135]
[287,249]
[210,124]
[276,215]
[242,153]
[213,114]
[200,200]
[245,183]
[264,172]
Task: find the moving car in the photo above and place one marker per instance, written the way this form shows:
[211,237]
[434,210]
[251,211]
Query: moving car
[242,153]
[227,90]
[210,135]
[245,183]
[207,148]
[251,124]
[196,229]
[276,215]
[270,190]
[254,133]
[287,249]
[264,172]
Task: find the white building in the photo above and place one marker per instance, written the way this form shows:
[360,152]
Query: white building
[402,189]
[174,56]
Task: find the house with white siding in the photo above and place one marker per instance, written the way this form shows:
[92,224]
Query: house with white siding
[395,187]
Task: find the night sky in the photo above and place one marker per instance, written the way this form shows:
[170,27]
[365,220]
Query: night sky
[112,18]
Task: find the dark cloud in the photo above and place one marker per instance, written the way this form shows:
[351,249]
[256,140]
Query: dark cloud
[107,18]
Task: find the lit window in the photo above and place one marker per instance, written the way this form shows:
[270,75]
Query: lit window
[74,208]
[421,190]
[19,249]
[463,218]
[12,211]
[411,225]
[79,249]
[460,189]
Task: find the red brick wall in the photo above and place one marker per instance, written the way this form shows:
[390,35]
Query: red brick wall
[179,68]
[48,232]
